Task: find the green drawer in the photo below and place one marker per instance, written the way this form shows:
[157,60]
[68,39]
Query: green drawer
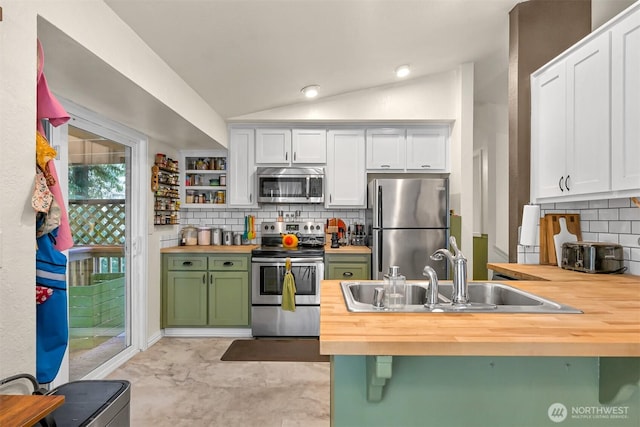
[186,262]
[351,258]
[229,263]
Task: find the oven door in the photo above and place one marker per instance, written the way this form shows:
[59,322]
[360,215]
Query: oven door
[267,277]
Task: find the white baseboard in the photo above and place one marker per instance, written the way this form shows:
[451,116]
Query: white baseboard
[208,332]
[153,339]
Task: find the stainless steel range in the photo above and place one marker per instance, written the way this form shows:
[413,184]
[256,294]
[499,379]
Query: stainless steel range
[268,269]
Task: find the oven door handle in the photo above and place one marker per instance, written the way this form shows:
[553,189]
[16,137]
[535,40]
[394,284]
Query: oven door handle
[294,261]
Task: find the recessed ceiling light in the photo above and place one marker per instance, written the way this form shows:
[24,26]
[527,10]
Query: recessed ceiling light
[403,71]
[310,91]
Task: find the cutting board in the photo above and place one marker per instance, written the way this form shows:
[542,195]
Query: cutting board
[553,228]
[544,250]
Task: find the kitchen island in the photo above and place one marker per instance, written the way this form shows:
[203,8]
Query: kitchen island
[481,369]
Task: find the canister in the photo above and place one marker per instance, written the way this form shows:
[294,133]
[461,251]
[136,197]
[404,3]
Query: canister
[227,238]
[204,236]
[237,239]
[190,236]
[216,237]
[223,180]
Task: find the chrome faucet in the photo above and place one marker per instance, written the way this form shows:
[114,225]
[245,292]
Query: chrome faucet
[432,292]
[459,265]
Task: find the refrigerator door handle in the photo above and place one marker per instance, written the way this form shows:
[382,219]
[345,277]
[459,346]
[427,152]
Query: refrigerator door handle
[380,246]
[379,207]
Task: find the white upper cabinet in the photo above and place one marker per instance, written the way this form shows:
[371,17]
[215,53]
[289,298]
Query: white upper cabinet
[242,170]
[273,146]
[427,149]
[585,117]
[588,121]
[625,103]
[548,131]
[386,149]
[286,147]
[346,178]
[309,146]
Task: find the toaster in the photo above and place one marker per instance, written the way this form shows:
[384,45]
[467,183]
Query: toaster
[593,257]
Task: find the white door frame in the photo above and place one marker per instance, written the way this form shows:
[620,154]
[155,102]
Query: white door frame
[137,269]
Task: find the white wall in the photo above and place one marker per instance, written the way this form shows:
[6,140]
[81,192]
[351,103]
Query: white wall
[17,219]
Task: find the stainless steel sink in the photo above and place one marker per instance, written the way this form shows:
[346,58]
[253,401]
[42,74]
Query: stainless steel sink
[484,297]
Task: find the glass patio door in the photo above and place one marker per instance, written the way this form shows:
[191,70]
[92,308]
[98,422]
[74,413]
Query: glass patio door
[98,196]
[101,168]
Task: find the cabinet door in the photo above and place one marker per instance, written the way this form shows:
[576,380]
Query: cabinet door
[242,175]
[548,132]
[346,176]
[386,149]
[273,146]
[228,298]
[348,267]
[186,298]
[427,149]
[625,103]
[588,133]
[309,146]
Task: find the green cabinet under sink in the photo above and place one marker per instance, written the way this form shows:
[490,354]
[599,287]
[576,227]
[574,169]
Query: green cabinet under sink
[200,290]
[347,266]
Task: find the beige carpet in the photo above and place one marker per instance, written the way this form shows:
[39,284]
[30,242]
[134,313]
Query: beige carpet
[275,350]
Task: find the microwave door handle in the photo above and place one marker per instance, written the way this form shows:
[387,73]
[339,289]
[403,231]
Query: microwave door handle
[308,179]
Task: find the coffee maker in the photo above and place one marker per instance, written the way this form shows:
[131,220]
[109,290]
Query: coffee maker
[359,237]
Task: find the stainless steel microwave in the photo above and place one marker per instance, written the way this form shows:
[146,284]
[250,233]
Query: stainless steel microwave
[290,185]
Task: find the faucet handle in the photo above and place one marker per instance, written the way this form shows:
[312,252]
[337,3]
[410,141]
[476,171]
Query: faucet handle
[454,245]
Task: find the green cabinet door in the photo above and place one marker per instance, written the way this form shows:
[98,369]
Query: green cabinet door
[186,298]
[228,298]
[348,267]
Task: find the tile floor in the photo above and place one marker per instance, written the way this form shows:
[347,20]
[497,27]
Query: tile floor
[182,382]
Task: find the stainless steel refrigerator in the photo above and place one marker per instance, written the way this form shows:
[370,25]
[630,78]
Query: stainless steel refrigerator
[408,220]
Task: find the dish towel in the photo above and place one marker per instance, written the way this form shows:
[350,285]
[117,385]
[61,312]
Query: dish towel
[288,289]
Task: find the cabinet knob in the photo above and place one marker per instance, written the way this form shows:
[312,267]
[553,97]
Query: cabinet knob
[228,263]
[347,274]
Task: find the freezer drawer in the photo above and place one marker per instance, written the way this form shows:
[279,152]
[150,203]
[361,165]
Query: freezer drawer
[273,321]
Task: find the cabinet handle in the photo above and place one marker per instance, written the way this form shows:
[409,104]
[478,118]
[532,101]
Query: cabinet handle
[330,198]
[211,279]
[566,183]
[347,274]
[286,155]
[385,166]
[425,166]
[204,278]
[560,183]
[250,198]
[187,263]
[294,156]
[228,263]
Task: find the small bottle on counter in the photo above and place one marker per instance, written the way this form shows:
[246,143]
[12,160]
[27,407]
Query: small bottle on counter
[394,289]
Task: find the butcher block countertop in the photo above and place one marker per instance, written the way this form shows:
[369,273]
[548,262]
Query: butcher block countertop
[347,250]
[609,325]
[197,249]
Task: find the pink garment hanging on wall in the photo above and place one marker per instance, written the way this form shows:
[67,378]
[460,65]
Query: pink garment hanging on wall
[48,107]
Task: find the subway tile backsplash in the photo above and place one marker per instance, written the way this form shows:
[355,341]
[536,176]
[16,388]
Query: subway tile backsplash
[611,221]
[233,219]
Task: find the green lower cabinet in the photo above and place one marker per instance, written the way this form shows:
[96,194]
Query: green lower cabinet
[348,267]
[205,290]
[229,299]
[186,298]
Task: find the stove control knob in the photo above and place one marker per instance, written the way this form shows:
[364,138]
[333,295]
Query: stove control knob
[317,227]
[266,227]
[306,227]
[272,228]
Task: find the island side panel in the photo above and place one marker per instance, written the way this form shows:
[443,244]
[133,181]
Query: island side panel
[477,391]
